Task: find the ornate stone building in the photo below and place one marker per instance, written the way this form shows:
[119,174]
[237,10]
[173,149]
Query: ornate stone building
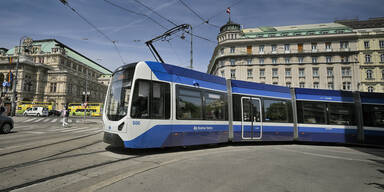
[324,56]
[50,71]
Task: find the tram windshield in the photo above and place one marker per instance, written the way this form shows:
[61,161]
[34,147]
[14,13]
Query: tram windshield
[118,95]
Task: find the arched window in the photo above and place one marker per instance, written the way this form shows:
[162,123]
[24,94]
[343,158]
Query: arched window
[369,74]
[370,89]
[382,57]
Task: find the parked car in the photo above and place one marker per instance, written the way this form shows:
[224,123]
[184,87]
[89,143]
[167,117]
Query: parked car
[6,123]
[54,113]
[36,111]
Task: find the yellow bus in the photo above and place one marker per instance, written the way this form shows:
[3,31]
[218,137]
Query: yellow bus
[23,105]
[93,109]
[48,105]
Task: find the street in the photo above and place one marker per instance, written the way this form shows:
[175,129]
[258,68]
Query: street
[41,155]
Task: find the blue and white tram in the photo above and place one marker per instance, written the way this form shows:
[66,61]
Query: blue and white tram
[152,105]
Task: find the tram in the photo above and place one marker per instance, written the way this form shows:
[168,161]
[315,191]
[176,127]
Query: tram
[154,105]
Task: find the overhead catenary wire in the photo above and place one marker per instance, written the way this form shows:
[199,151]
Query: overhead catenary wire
[136,13]
[215,15]
[137,1]
[64,2]
[195,13]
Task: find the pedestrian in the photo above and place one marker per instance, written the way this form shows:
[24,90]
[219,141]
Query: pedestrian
[64,114]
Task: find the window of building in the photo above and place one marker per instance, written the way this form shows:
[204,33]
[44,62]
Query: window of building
[328,46]
[344,59]
[366,44]
[315,72]
[344,44]
[222,73]
[69,89]
[316,85]
[324,32]
[249,61]
[314,46]
[288,72]
[300,59]
[287,60]
[314,59]
[328,59]
[249,49]
[249,73]
[262,72]
[222,51]
[382,74]
[346,85]
[274,72]
[300,47]
[330,85]
[367,58]
[232,61]
[286,47]
[330,72]
[261,61]
[233,73]
[275,83]
[277,110]
[370,89]
[261,48]
[302,85]
[53,87]
[345,71]
[274,48]
[381,43]
[288,84]
[369,74]
[274,60]
[301,72]
[232,50]
[382,58]
[221,63]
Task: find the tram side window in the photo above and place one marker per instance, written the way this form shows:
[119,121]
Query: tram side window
[341,114]
[189,105]
[151,100]
[160,101]
[311,112]
[214,106]
[140,101]
[277,111]
[373,115]
[236,99]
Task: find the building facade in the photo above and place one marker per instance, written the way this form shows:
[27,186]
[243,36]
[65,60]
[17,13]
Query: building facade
[324,56]
[50,71]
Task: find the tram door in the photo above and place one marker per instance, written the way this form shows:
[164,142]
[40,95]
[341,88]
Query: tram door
[251,122]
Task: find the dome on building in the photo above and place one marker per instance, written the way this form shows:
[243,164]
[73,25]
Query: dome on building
[230,26]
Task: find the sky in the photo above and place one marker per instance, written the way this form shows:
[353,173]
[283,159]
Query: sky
[50,19]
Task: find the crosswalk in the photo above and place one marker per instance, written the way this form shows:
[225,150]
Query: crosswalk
[51,120]
[87,129]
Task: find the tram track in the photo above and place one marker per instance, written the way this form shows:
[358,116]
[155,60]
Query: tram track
[48,158]
[48,144]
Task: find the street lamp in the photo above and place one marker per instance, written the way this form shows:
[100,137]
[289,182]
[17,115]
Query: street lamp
[27,42]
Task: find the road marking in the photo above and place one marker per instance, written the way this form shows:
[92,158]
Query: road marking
[28,120]
[37,120]
[47,119]
[327,156]
[54,120]
[34,132]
